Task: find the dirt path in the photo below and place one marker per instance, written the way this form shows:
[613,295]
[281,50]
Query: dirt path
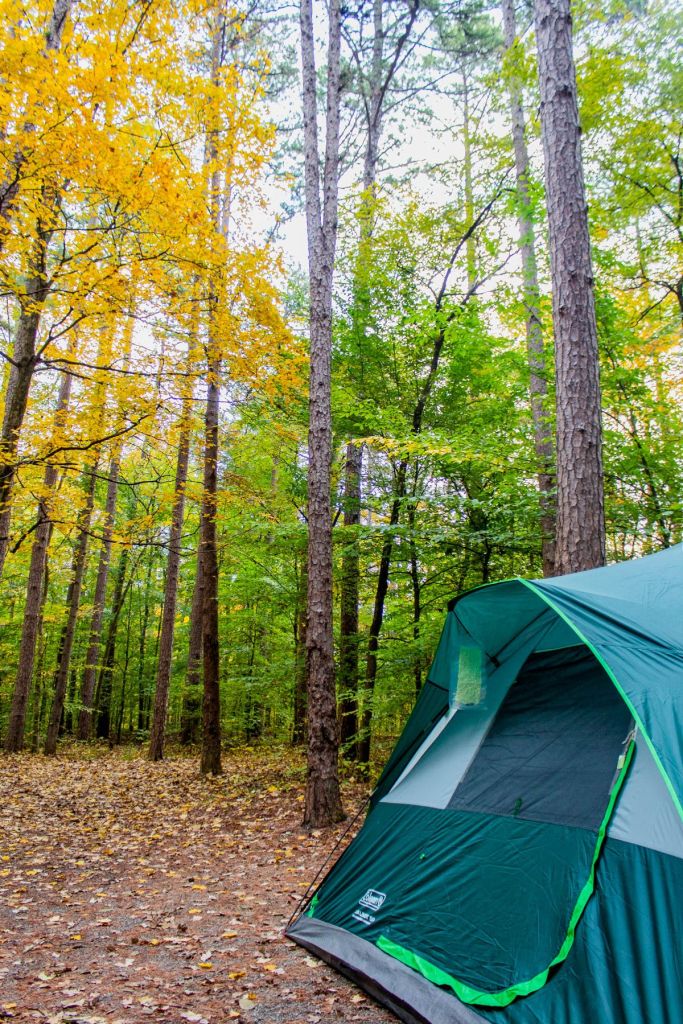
[132,892]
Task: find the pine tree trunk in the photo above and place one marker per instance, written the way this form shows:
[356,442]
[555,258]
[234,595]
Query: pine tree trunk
[124,679]
[580,501]
[323,801]
[105,680]
[19,383]
[538,388]
[34,592]
[211,711]
[192,699]
[156,743]
[350,587]
[142,649]
[364,729]
[210,761]
[73,599]
[93,653]
[299,710]
[415,584]
[40,695]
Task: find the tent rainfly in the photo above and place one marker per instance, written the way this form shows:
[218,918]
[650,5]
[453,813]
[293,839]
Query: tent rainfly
[522,859]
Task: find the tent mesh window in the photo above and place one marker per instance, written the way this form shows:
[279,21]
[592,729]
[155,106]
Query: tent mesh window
[552,750]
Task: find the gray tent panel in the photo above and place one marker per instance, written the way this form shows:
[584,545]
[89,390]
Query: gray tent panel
[411,997]
[645,814]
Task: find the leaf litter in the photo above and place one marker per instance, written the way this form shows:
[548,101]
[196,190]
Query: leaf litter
[134,892]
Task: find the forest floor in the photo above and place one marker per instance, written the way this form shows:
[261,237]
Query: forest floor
[134,892]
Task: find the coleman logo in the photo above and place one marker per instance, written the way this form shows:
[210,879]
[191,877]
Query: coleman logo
[373,899]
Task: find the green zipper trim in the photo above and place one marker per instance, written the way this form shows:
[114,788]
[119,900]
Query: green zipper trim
[313,904]
[476,997]
[636,717]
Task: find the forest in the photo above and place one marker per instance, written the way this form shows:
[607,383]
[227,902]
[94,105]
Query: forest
[241,479]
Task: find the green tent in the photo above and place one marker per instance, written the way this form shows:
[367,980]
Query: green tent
[522,859]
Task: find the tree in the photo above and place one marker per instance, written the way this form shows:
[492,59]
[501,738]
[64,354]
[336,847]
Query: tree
[538,387]
[35,589]
[580,495]
[374,74]
[156,742]
[323,801]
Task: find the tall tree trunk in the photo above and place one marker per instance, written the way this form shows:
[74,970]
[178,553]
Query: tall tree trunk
[300,617]
[105,680]
[156,743]
[363,744]
[211,711]
[580,499]
[73,599]
[210,762]
[34,591]
[415,583]
[93,653]
[40,694]
[538,388]
[192,698]
[350,586]
[124,678]
[24,360]
[142,649]
[323,800]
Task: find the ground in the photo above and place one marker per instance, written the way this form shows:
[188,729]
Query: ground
[133,892]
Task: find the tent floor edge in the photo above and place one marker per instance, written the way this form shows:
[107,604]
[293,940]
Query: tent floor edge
[408,995]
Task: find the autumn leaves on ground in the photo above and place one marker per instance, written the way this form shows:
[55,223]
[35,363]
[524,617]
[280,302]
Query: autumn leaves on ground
[131,892]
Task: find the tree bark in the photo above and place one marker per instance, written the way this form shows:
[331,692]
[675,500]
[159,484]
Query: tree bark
[73,600]
[24,360]
[210,761]
[142,652]
[191,714]
[415,583]
[34,592]
[300,675]
[323,800]
[93,653]
[156,743]
[538,387]
[580,501]
[105,680]
[363,744]
[211,710]
[350,587]
[124,678]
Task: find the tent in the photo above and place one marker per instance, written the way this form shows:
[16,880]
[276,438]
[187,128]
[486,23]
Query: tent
[522,858]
